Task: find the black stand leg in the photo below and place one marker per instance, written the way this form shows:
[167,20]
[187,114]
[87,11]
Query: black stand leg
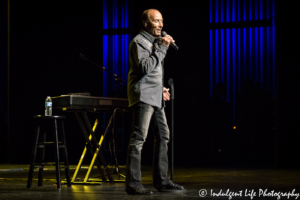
[67,171]
[56,150]
[116,171]
[114,142]
[41,169]
[172,141]
[172,127]
[33,155]
[40,180]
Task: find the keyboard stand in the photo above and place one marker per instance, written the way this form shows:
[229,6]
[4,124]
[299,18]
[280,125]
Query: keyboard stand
[94,147]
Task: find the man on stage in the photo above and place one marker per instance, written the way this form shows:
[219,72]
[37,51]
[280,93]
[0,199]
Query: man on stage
[146,96]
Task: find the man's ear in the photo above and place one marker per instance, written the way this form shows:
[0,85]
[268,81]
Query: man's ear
[145,24]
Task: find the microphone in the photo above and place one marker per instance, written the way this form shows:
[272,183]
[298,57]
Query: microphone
[163,33]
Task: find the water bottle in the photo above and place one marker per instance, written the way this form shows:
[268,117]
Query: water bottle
[48,106]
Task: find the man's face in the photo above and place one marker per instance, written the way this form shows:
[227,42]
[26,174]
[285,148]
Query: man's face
[155,23]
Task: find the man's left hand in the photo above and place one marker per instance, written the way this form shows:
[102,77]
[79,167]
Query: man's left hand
[166,94]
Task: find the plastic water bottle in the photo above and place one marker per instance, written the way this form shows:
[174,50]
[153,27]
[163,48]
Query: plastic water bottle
[48,106]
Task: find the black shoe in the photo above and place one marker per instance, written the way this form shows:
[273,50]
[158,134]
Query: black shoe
[139,191]
[170,185]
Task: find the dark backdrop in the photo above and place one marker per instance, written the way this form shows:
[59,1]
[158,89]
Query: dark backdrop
[47,39]
[288,84]
[3,80]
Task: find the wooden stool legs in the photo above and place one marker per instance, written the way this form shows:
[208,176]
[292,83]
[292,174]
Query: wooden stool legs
[57,145]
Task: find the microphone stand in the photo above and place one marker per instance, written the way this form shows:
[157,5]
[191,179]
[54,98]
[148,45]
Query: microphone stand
[172,127]
[118,79]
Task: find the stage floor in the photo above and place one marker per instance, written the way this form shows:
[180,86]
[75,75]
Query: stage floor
[241,183]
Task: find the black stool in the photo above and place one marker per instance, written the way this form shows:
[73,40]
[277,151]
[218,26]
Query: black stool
[42,122]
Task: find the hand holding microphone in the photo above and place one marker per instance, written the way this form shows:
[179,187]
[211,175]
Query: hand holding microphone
[168,40]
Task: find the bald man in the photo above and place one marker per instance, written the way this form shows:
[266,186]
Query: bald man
[147,97]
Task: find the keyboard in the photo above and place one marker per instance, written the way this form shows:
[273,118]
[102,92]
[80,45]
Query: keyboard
[88,102]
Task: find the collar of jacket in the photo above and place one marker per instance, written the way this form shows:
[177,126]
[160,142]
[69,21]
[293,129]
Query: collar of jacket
[147,35]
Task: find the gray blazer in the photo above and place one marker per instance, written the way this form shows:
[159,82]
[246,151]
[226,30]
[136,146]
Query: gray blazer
[145,78]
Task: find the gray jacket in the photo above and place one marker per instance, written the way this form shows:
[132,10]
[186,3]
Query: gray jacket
[145,78]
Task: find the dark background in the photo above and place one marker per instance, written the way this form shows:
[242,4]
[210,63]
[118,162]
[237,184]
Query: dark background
[46,39]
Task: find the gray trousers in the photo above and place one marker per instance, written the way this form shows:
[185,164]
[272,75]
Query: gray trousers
[142,115]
